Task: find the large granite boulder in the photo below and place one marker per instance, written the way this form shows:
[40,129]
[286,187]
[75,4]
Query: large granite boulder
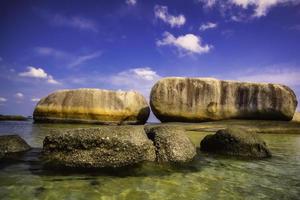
[172,144]
[93,106]
[206,99]
[11,144]
[235,142]
[103,147]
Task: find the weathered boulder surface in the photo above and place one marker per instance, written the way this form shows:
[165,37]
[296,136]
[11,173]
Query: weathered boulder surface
[103,147]
[10,144]
[205,99]
[235,142]
[296,117]
[93,106]
[172,144]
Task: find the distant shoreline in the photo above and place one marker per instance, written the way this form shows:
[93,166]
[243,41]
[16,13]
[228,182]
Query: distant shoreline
[13,118]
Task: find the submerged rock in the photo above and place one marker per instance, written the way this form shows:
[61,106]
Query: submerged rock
[172,145]
[93,106]
[10,144]
[102,147]
[235,142]
[205,99]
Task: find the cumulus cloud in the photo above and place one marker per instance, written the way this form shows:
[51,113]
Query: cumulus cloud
[208,3]
[131,2]
[208,25]
[34,73]
[35,99]
[140,79]
[39,73]
[19,95]
[161,12]
[188,43]
[2,100]
[260,7]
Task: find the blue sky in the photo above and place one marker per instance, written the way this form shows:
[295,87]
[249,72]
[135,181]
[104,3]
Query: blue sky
[130,44]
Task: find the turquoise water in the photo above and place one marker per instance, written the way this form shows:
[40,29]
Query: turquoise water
[208,177]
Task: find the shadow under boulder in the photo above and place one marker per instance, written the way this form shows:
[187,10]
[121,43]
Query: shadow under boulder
[235,141]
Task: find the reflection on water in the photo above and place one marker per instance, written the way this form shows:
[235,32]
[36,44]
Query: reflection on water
[208,177]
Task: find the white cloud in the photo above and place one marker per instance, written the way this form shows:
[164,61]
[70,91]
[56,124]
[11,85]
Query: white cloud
[82,59]
[208,25]
[39,73]
[51,80]
[188,43]
[260,7]
[131,2]
[19,95]
[34,73]
[140,79]
[208,3]
[1,59]
[2,99]
[35,99]
[161,12]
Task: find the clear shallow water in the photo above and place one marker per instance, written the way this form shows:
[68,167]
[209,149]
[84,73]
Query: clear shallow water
[208,177]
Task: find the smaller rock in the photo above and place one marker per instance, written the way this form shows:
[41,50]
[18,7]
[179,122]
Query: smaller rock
[103,147]
[12,144]
[236,142]
[172,144]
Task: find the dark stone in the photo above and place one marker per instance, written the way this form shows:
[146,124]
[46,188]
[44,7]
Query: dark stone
[103,147]
[11,144]
[94,183]
[236,142]
[172,145]
[39,190]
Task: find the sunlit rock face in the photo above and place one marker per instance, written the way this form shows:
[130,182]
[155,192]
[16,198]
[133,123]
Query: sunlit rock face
[93,106]
[205,99]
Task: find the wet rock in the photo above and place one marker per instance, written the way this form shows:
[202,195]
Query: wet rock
[235,141]
[172,145]
[92,106]
[11,144]
[206,99]
[103,147]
